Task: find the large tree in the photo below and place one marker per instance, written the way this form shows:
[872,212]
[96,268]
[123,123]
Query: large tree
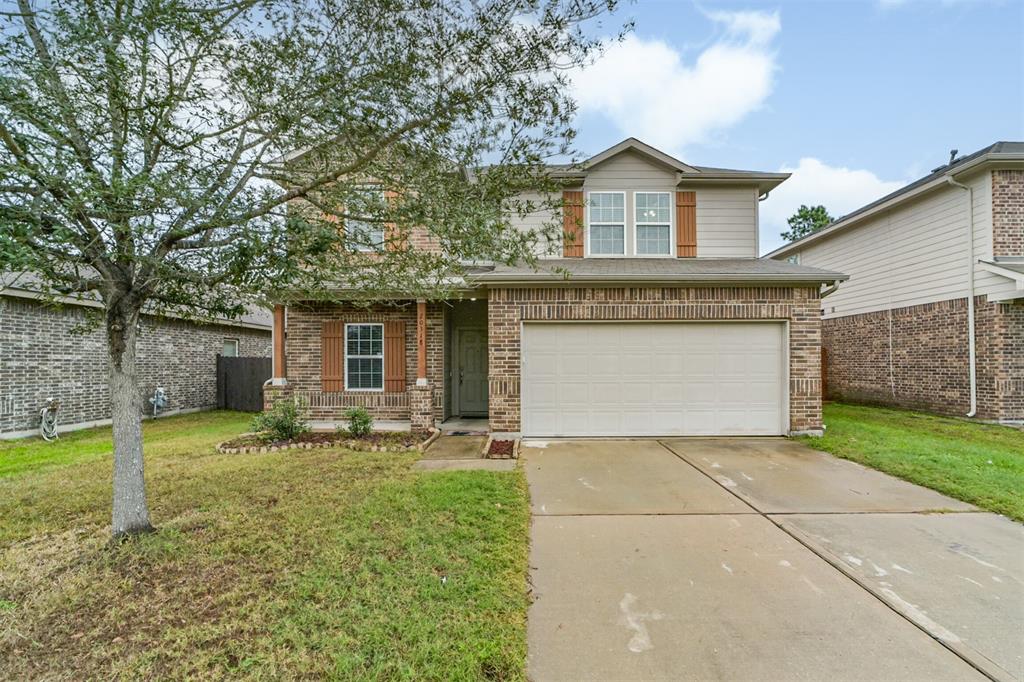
[186,155]
[806,220]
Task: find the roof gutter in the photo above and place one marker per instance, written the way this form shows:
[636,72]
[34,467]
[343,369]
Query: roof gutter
[971,353]
[655,278]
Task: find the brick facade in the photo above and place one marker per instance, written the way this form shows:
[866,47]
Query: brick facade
[925,365]
[1007,216]
[303,359]
[55,352]
[800,306]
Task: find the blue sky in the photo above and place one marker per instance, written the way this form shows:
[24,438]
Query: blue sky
[854,98]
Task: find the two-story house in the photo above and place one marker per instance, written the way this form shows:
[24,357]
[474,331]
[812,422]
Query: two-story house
[933,314]
[655,317]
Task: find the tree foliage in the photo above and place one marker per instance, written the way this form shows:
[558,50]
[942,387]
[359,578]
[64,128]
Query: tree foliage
[188,155]
[806,220]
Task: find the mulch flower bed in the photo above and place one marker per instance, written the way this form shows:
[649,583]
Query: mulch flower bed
[375,441]
[501,449]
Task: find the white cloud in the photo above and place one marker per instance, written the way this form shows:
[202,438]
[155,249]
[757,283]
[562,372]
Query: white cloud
[647,90]
[838,189]
[890,4]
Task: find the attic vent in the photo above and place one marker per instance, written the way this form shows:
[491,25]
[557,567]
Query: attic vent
[952,160]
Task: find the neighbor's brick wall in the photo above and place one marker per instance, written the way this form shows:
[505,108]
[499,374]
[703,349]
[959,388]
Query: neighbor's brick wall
[1007,213]
[999,329]
[42,356]
[507,308]
[303,358]
[928,365]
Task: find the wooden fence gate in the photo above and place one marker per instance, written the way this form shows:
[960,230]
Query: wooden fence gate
[240,383]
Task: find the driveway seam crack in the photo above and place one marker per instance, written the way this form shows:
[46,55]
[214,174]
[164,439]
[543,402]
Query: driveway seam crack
[834,563]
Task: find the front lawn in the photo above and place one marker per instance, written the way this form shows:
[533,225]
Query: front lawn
[978,463]
[293,564]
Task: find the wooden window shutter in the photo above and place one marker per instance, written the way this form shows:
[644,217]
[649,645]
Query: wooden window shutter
[686,224]
[332,361]
[394,356]
[394,240]
[572,224]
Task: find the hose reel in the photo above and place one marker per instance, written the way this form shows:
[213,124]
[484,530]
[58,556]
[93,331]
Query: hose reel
[48,420]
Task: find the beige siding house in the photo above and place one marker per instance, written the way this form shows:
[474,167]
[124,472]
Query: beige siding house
[649,315]
[920,260]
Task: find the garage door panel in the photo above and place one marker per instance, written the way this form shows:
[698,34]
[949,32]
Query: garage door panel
[672,392]
[544,363]
[698,363]
[623,379]
[697,391]
[636,392]
[571,393]
[607,363]
[572,364]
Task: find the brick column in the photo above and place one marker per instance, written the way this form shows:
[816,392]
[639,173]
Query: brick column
[272,393]
[421,395]
[421,407]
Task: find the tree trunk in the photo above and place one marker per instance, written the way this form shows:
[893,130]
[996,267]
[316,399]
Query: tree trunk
[130,514]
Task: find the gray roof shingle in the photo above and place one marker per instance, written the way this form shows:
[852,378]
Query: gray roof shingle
[657,269]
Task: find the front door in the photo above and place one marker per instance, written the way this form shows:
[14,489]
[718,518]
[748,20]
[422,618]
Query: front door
[471,372]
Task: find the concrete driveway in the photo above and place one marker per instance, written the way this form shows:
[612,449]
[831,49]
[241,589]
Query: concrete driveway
[761,559]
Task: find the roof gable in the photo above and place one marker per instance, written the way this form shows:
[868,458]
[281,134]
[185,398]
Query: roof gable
[635,145]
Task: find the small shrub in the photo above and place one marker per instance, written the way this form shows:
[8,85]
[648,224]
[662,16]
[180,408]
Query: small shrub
[282,422]
[360,423]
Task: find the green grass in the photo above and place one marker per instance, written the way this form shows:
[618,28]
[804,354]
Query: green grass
[162,436]
[295,564]
[978,463]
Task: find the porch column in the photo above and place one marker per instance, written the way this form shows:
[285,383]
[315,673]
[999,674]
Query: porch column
[421,343]
[279,370]
[421,395]
[276,387]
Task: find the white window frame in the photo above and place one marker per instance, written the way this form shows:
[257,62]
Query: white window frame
[671,226]
[365,357]
[625,226]
[366,248]
[225,341]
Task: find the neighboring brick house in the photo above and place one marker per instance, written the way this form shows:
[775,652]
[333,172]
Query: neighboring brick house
[57,351]
[667,324]
[897,332]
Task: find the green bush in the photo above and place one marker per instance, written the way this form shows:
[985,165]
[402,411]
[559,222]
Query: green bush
[360,423]
[283,421]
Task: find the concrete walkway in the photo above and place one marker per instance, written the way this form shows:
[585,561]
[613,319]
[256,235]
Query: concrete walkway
[761,559]
[460,453]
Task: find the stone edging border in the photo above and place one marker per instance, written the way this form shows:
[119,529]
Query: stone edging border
[350,444]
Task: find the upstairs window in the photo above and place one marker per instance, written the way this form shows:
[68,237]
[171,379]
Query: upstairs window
[363,235]
[607,230]
[653,215]
[364,357]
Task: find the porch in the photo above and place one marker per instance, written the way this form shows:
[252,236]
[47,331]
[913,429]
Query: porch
[411,364]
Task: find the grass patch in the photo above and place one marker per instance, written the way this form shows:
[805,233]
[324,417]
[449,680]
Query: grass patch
[295,564]
[166,435]
[978,463]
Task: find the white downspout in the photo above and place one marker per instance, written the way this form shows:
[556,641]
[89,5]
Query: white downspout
[971,358]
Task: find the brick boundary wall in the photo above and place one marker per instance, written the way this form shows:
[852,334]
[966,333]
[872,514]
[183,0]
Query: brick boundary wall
[43,356]
[303,360]
[929,359]
[801,306]
[1007,213]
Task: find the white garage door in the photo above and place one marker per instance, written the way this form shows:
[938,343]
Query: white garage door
[653,379]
